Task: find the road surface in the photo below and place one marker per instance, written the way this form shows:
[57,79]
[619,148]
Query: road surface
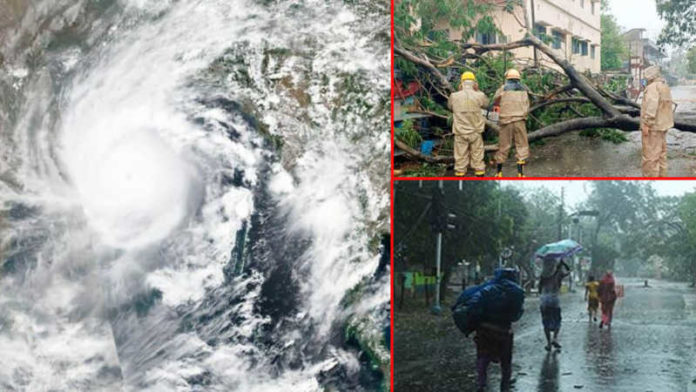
[572,155]
[651,347]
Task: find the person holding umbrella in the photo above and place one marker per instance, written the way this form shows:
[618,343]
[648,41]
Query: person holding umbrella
[550,307]
[552,275]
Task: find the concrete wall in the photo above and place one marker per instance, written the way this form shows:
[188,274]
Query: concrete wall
[574,19]
[568,17]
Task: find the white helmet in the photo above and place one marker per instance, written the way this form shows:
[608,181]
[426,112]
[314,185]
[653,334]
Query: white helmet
[651,73]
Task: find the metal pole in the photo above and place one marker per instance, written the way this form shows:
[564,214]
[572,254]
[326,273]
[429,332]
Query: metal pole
[438,255]
[536,60]
[438,259]
[572,260]
[500,249]
[560,215]
[642,60]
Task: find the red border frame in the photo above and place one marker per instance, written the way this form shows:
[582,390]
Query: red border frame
[391,202]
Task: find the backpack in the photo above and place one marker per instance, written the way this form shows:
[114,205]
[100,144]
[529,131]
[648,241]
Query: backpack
[465,312]
[503,302]
[499,301]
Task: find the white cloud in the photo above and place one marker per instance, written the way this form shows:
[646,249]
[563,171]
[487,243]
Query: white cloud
[628,18]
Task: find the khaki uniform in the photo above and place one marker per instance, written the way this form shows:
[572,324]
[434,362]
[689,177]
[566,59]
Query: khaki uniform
[514,107]
[657,114]
[467,127]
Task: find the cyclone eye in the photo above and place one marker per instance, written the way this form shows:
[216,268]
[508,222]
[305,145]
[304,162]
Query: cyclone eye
[134,187]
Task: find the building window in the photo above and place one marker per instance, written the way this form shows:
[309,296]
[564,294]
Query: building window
[583,47]
[593,7]
[558,39]
[540,31]
[502,39]
[592,51]
[582,3]
[576,45]
[485,38]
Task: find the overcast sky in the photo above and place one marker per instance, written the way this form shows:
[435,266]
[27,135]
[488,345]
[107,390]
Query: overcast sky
[577,191]
[632,14]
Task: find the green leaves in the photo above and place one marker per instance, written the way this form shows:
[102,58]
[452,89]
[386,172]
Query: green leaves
[614,50]
[511,4]
[407,134]
[687,213]
[443,16]
[691,60]
[680,18]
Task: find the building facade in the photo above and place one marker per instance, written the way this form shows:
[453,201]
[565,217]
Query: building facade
[571,27]
[642,53]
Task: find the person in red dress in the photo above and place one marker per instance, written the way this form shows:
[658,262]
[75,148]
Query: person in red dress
[607,297]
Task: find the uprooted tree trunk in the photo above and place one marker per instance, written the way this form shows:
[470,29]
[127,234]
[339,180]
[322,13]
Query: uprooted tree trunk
[617,112]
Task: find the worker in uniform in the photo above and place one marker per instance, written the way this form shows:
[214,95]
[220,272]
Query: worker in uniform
[468,125]
[513,100]
[656,118]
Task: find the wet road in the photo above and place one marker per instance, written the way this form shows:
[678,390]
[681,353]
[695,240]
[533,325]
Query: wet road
[651,346]
[572,155]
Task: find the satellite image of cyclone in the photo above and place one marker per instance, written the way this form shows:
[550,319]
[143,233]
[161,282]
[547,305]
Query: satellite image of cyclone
[194,195]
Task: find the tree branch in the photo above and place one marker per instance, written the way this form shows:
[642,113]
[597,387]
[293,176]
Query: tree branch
[576,79]
[558,91]
[558,100]
[427,64]
[617,98]
[433,159]
[622,122]
[577,124]
[417,154]
[575,111]
[438,115]
[618,117]
[480,48]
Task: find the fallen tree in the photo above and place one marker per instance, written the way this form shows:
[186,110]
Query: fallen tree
[614,111]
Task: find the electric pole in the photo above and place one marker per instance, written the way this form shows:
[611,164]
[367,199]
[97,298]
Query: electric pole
[500,245]
[439,223]
[560,215]
[531,30]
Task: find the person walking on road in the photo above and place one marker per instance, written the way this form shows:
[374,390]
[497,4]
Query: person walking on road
[592,297]
[489,310]
[513,100]
[656,118]
[549,288]
[607,296]
[494,338]
[468,126]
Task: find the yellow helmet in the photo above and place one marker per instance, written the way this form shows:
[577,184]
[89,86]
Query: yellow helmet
[468,76]
[512,74]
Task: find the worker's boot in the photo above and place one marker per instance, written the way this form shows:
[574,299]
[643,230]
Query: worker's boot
[499,172]
[520,168]
[459,174]
[480,173]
